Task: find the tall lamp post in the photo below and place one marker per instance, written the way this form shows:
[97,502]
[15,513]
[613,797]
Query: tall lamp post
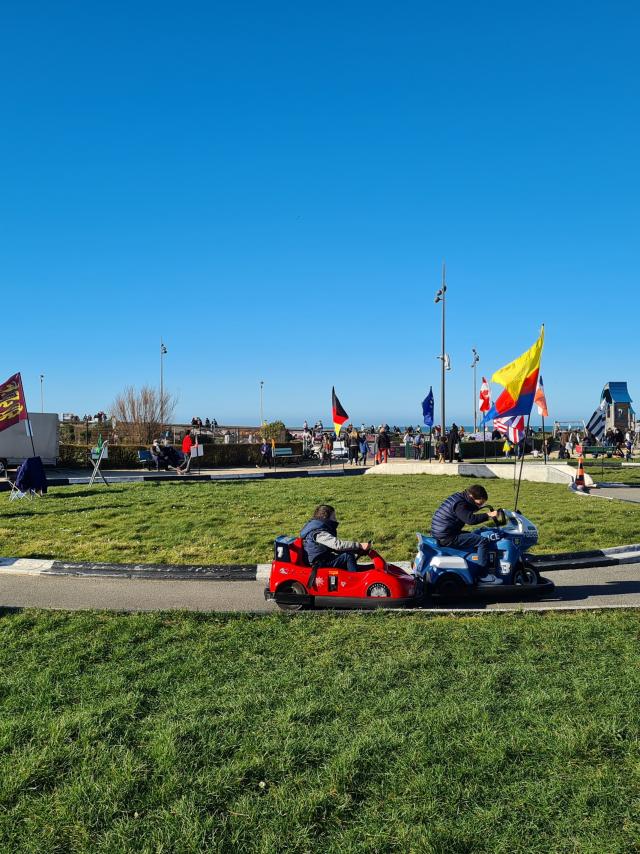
[41,392]
[163,353]
[475,361]
[441,297]
[261,405]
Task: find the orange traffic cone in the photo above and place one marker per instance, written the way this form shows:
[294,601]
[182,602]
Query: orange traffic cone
[579,482]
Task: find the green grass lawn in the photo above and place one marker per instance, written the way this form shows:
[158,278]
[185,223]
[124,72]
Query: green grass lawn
[237,522]
[185,733]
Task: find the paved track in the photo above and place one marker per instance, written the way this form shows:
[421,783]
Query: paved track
[615,586]
[619,493]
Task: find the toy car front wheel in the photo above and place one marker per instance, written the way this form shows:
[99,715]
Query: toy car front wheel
[450,587]
[292,590]
[379,590]
[525,576]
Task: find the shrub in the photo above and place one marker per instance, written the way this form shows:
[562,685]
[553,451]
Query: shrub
[126,456]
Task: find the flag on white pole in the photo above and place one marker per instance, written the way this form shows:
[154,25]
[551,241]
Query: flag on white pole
[540,400]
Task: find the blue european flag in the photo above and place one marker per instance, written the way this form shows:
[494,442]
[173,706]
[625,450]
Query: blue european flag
[427,408]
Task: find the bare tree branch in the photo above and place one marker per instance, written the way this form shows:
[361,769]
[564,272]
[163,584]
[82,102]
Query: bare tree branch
[138,413]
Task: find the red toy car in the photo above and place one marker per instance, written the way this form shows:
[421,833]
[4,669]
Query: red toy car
[292,584]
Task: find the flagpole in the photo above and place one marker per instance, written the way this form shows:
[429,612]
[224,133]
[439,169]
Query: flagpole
[484,441]
[441,297]
[526,430]
[544,446]
[33,447]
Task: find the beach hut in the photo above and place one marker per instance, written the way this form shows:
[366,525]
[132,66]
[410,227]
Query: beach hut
[619,412]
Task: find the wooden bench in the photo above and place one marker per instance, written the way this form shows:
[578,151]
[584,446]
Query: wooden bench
[284,454]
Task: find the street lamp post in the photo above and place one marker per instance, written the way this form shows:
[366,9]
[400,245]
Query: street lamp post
[41,392]
[261,405]
[163,352]
[475,361]
[441,297]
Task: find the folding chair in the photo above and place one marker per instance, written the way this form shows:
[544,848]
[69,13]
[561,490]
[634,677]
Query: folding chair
[16,494]
[30,474]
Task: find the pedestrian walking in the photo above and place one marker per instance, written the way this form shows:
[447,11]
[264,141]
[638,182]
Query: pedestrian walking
[325,449]
[364,448]
[266,454]
[354,444]
[454,439]
[383,445]
[418,442]
[408,444]
[187,444]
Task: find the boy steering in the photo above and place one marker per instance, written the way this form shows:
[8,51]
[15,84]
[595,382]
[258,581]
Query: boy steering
[454,513]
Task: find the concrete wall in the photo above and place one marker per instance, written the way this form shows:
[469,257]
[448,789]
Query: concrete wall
[536,472]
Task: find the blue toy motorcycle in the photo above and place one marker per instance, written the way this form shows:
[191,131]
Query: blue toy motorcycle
[450,573]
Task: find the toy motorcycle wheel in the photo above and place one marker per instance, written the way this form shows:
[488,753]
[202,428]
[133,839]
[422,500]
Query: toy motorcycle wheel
[450,587]
[525,576]
[379,590]
[291,590]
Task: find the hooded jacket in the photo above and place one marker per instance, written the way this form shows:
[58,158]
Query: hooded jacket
[319,540]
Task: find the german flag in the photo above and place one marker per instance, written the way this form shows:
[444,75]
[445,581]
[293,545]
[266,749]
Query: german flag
[339,414]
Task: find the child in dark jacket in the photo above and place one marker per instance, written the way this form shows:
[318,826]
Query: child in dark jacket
[454,513]
[322,546]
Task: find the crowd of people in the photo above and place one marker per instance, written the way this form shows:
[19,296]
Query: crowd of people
[614,442]
[208,424]
[358,442]
[359,446]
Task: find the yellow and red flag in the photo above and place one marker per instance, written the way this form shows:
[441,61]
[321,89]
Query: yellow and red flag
[520,380]
[338,412]
[13,407]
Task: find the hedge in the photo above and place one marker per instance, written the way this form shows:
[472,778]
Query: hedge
[126,456]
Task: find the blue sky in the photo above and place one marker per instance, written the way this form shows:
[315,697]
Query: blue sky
[273,188]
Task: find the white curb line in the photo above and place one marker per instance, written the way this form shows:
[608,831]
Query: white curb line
[25,565]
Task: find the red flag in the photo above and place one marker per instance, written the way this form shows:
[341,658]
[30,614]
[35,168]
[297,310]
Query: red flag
[540,400]
[13,407]
[485,396]
[338,411]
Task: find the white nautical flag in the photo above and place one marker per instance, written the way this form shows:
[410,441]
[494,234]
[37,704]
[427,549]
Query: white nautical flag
[597,421]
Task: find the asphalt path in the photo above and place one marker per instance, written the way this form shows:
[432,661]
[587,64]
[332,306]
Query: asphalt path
[620,493]
[604,587]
